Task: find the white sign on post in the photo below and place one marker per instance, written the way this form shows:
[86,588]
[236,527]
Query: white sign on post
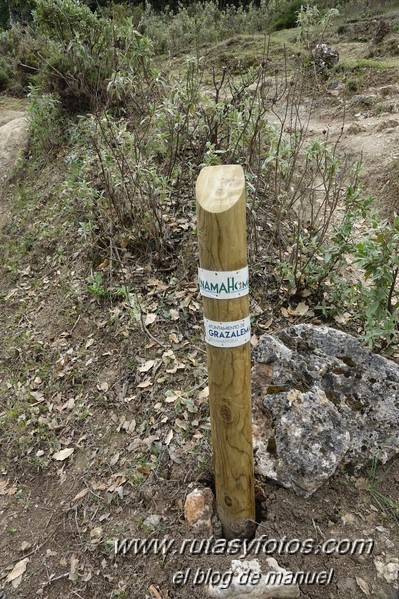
[227,334]
[223,284]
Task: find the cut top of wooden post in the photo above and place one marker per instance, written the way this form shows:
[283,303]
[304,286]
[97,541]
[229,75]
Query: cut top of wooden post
[220,187]
[221,217]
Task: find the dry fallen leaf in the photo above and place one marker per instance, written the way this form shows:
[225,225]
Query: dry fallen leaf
[268,323]
[37,381]
[204,393]
[181,424]
[254,341]
[149,319]
[147,366]
[3,485]
[103,264]
[37,395]
[171,396]
[63,454]
[300,310]
[175,338]
[114,459]
[342,318]
[145,384]
[73,572]
[118,480]
[174,314]
[363,585]
[144,470]
[103,386]
[80,495]
[25,545]
[18,570]
[155,593]
[96,534]
[169,437]
[70,404]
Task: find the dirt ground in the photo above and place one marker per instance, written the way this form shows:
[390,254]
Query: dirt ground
[110,424]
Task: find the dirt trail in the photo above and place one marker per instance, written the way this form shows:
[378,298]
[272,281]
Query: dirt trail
[370,133]
[13,139]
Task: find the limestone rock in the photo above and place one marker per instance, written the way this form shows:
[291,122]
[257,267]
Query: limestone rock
[245,580]
[331,401]
[325,57]
[389,124]
[356,128]
[152,521]
[389,570]
[13,140]
[365,100]
[310,438]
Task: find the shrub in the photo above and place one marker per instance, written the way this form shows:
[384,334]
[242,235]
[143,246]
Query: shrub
[4,76]
[199,23]
[81,52]
[17,58]
[134,167]
[286,14]
[313,25]
[378,256]
[4,17]
[44,113]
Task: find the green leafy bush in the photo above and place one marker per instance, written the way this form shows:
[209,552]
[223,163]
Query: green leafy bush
[378,294]
[81,52]
[313,25]
[44,113]
[4,75]
[200,23]
[130,170]
[369,297]
[286,14]
[17,59]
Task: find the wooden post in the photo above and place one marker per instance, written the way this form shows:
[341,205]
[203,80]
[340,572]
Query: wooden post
[223,280]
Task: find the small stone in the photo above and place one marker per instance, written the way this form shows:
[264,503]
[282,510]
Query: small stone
[245,580]
[325,57]
[199,507]
[347,585]
[390,124]
[96,534]
[348,519]
[366,100]
[152,521]
[389,570]
[356,128]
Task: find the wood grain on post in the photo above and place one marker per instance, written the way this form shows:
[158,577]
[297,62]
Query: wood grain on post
[221,216]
